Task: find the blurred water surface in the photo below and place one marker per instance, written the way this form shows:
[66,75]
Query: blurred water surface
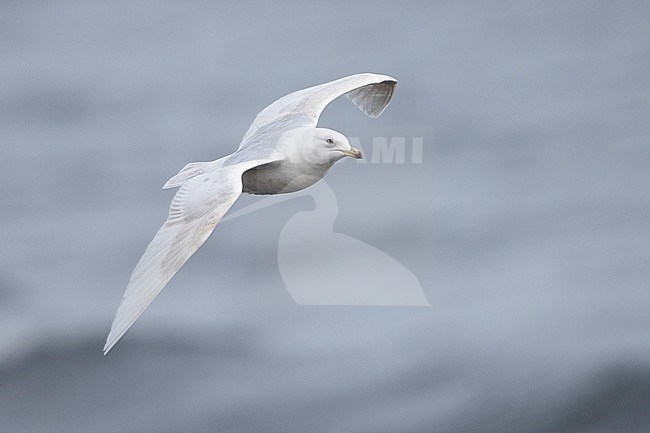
[527,223]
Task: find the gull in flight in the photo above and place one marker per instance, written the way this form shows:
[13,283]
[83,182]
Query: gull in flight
[283,151]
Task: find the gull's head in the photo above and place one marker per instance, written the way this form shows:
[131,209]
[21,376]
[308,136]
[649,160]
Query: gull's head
[333,145]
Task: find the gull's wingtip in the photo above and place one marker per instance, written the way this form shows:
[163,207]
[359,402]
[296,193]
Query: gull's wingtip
[108,346]
[375,74]
[112,340]
[380,77]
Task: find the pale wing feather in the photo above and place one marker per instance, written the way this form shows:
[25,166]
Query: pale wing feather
[196,209]
[370,92]
[373,98]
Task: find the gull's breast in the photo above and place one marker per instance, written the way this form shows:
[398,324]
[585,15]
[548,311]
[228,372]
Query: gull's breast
[281,177]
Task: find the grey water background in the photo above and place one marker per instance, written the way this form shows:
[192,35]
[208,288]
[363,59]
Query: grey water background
[527,223]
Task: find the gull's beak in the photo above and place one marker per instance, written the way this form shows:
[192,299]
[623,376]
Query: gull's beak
[353,153]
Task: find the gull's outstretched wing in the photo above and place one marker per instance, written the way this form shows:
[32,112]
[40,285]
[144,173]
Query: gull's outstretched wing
[196,209]
[370,92]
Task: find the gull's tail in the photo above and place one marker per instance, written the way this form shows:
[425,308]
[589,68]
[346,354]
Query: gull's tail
[191,170]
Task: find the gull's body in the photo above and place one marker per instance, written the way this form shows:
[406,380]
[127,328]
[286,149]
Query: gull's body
[283,151]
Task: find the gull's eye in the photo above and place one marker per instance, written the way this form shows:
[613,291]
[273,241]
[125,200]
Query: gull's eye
[330,141]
